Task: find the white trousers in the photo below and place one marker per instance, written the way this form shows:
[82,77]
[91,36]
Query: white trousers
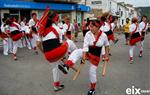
[5,46]
[76,55]
[92,73]
[20,43]
[55,71]
[10,45]
[142,45]
[72,46]
[131,49]
[15,46]
[33,41]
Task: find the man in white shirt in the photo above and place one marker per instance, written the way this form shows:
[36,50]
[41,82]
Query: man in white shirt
[33,32]
[143,26]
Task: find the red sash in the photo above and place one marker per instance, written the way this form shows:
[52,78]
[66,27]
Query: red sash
[51,29]
[144,26]
[14,25]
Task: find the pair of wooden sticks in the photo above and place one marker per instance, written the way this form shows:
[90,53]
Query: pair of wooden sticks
[81,66]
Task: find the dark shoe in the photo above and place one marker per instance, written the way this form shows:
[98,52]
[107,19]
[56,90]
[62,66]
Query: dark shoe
[110,54]
[58,88]
[36,52]
[91,92]
[64,68]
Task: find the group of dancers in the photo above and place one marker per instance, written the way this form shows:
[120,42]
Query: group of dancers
[54,40]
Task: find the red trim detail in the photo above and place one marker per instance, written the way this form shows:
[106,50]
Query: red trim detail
[34,48]
[69,63]
[135,29]
[135,40]
[109,25]
[56,54]
[3,35]
[99,34]
[17,37]
[14,25]
[51,29]
[111,37]
[131,58]
[93,85]
[141,52]
[93,59]
[57,84]
[68,36]
[56,18]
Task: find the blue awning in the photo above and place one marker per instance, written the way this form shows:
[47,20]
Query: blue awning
[83,8]
[37,5]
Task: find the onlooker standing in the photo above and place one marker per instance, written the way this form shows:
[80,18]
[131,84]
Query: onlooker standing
[76,29]
[126,30]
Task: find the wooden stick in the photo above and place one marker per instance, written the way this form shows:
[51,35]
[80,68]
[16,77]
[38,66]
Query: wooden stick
[74,69]
[78,71]
[104,68]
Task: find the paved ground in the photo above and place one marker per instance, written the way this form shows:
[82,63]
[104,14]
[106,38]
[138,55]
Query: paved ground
[31,74]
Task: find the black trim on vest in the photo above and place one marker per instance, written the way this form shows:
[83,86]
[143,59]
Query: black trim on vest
[135,35]
[50,44]
[34,29]
[68,33]
[109,32]
[13,33]
[94,50]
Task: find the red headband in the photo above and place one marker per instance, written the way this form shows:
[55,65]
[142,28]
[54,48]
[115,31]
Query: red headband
[95,23]
[56,18]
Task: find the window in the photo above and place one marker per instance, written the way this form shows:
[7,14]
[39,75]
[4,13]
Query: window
[121,13]
[122,22]
[96,2]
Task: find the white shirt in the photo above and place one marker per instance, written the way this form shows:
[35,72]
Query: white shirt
[27,29]
[31,22]
[2,28]
[142,25]
[105,27]
[13,28]
[22,26]
[132,27]
[51,35]
[5,28]
[60,25]
[71,28]
[59,31]
[113,25]
[89,39]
